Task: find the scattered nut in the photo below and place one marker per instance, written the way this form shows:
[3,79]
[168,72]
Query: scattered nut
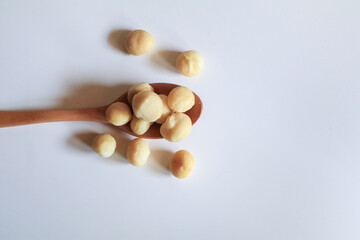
[104,144]
[139,126]
[139,42]
[182,164]
[118,114]
[181,99]
[147,105]
[135,89]
[190,63]
[138,152]
[166,110]
[176,127]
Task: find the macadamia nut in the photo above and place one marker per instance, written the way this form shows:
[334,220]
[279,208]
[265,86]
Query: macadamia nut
[176,127]
[118,114]
[181,99]
[147,105]
[104,144]
[166,110]
[135,89]
[139,42]
[182,164]
[138,152]
[190,63]
[139,126]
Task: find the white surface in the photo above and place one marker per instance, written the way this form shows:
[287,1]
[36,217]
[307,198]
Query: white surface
[277,147]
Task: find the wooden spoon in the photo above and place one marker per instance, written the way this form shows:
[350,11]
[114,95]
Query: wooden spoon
[97,114]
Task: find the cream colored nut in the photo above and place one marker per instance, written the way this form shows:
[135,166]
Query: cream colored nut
[147,105]
[118,114]
[104,144]
[135,89]
[166,110]
[139,42]
[138,152]
[181,99]
[139,126]
[182,164]
[190,63]
[176,127]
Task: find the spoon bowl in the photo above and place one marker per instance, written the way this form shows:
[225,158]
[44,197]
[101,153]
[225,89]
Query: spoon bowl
[154,130]
[97,114]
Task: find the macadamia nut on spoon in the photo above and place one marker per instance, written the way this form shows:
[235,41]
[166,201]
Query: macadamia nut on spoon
[139,126]
[139,42]
[190,63]
[118,114]
[104,144]
[181,99]
[147,105]
[166,109]
[176,127]
[135,89]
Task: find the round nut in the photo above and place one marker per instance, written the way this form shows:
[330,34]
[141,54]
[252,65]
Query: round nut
[139,42]
[166,109]
[176,127]
[181,99]
[147,105]
[182,164]
[118,114]
[139,126]
[135,89]
[104,144]
[138,152]
[190,63]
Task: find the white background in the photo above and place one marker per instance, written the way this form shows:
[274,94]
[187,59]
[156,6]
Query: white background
[277,148]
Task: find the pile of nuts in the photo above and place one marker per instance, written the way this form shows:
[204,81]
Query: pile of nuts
[147,107]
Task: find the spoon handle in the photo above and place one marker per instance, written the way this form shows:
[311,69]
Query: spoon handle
[17,118]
